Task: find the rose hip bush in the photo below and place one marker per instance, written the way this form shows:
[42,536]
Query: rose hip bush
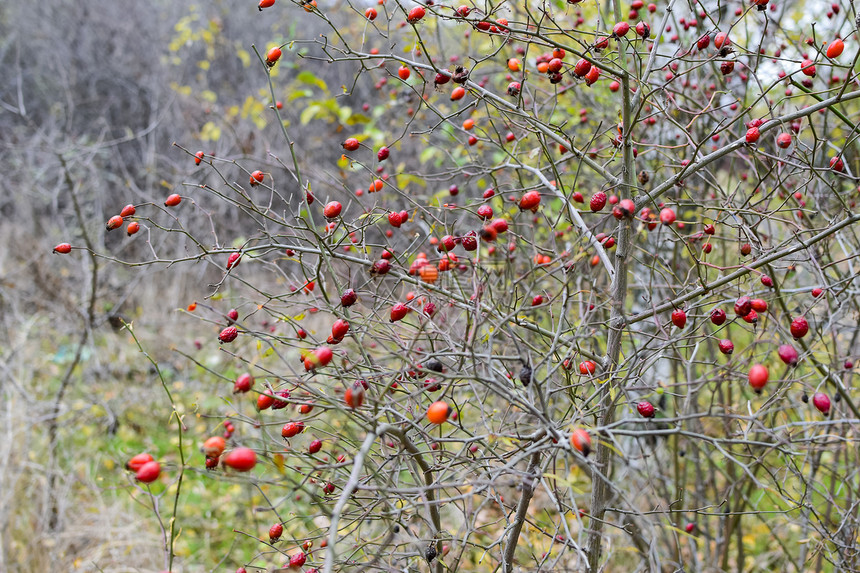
[557,297]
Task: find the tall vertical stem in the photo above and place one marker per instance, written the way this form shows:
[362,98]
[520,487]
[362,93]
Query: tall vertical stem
[600,488]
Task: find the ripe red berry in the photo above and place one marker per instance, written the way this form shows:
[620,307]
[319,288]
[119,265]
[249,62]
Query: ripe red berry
[783,140]
[314,447]
[339,329]
[530,201]
[743,306]
[354,396]
[766,281]
[265,4]
[297,560]
[351,144]
[817,292]
[138,461]
[726,346]
[292,429]
[172,200]
[332,209]
[229,334]
[758,305]
[834,50]
[148,472]
[500,225]
[348,297]
[581,441]
[198,157]
[799,327]
[415,14]
[132,228]
[752,135]
[703,42]
[370,14]
[667,216]
[808,68]
[256,178]
[598,201]
[275,532]
[241,459]
[645,409]
[718,316]
[265,400]
[127,211]
[721,39]
[243,383]
[788,354]
[272,56]
[679,318]
[382,154]
[758,376]
[233,260]
[63,248]
[587,367]
[620,29]
[403,73]
[836,164]
[822,402]
[581,68]
[398,312]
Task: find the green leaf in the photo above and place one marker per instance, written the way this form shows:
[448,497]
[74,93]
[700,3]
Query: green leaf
[307,77]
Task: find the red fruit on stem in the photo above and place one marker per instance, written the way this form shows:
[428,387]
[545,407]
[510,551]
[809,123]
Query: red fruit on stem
[243,383]
[620,29]
[743,306]
[351,144]
[137,462]
[348,298]
[172,200]
[272,56]
[332,209]
[667,216]
[783,140]
[132,228]
[679,318]
[581,441]
[256,178]
[645,409]
[275,532]
[726,346]
[415,14]
[398,312]
[598,201]
[127,211]
[233,260]
[229,334]
[354,396]
[530,201]
[758,305]
[718,316]
[822,402]
[834,50]
[758,376]
[799,327]
[241,459]
[63,248]
[148,472]
[587,367]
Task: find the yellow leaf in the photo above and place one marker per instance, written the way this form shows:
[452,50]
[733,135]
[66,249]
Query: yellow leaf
[203,64]
[244,56]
